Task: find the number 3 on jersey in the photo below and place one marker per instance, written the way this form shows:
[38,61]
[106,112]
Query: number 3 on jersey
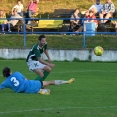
[16,82]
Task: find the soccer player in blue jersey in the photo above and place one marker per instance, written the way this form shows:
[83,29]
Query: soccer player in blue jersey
[20,84]
[35,61]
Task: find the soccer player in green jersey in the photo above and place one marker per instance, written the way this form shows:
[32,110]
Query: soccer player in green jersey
[36,63]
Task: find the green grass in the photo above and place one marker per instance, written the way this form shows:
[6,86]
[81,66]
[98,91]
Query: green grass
[59,41]
[93,94]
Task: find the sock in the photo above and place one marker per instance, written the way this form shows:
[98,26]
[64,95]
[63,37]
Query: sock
[58,82]
[38,78]
[45,75]
[42,78]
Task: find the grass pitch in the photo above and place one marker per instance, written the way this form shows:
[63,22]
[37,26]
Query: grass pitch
[93,94]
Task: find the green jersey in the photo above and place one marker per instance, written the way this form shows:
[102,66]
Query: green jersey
[36,52]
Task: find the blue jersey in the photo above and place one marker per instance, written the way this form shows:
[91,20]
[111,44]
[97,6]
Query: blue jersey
[18,83]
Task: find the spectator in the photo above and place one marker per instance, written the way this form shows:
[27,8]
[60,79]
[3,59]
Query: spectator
[97,7]
[31,9]
[19,8]
[92,18]
[75,21]
[107,11]
[4,22]
[13,22]
[115,23]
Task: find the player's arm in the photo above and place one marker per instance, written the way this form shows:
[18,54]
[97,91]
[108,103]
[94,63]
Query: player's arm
[49,60]
[46,53]
[38,55]
[44,62]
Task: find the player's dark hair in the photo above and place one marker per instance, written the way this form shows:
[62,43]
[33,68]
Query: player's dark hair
[40,37]
[6,72]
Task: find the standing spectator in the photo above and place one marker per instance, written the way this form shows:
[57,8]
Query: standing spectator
[19,8]
[107,11]
[75,20]
[31,9]
[4,22]
[97,7]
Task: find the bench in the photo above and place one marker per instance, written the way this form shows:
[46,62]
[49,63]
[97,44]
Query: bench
[48,24]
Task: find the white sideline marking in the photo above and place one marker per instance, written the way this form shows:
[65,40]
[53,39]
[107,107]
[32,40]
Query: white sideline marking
[74,71]
[84,71]
[62,108]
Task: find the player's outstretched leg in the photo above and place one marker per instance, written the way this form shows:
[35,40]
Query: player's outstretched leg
[58,82]
[71,80]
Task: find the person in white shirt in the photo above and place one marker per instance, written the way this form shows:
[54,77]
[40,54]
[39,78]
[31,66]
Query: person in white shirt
[97,7]
[19,8]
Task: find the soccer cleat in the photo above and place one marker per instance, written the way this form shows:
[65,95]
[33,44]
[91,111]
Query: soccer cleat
[44,91]
[70,81]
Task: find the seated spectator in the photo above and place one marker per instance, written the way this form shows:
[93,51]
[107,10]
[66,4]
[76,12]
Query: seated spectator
[75,21]
[107,11]
[4,22]
[31,9]
[19,8]
[97,7]
[91,18]
[13,22]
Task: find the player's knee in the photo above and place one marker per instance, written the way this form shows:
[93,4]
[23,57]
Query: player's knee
[48,69]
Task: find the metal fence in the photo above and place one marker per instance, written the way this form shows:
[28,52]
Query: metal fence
[84,33]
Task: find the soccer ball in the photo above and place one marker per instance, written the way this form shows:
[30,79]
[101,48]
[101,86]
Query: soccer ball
[98,51]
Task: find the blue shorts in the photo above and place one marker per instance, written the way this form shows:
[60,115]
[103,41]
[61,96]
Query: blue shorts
[33,86]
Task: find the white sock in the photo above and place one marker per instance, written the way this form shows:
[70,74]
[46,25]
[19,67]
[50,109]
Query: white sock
[58,82]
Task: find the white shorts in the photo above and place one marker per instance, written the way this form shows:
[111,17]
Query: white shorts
[34,65]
